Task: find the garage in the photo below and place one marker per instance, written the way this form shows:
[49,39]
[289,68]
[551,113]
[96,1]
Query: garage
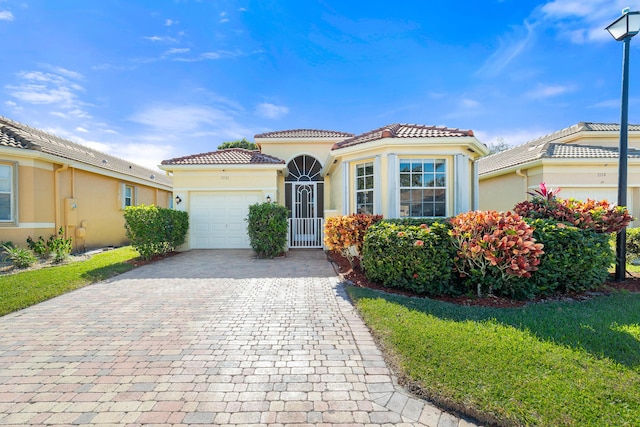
[217,218]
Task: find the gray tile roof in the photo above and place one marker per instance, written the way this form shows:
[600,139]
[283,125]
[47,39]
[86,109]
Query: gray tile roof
[18,135]
[304,133]
[402,130]
[546,147]
[229,156]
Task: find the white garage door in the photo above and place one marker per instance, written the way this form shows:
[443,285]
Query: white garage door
[217,219]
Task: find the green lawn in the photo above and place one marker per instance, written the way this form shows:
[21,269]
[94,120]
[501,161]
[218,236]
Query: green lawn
[21,290]
[553,364]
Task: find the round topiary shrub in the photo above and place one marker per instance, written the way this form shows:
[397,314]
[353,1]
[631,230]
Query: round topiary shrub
[268,229]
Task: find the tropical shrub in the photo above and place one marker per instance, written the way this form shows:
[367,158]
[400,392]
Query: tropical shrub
[633,244]
[267,229]
[600,216]
[418,221]
[416,258]
[345,234]
[574,259]
[155,231]
[39,247]
[20,257]
[57,246]
[492,249]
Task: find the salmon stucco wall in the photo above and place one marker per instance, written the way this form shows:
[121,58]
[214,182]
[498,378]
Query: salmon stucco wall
[36,207]
[98,210]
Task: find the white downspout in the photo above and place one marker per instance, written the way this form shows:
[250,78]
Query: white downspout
[525,181]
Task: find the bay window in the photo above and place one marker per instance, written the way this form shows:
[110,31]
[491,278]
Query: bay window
[423,187]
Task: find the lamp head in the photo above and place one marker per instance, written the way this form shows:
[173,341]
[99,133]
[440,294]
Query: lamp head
[627,25]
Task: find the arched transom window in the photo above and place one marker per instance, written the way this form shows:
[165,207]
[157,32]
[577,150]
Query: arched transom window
[304,168]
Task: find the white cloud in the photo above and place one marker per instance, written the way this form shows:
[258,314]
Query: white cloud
[177,50]
[170,22]
[81,129]
[470,103]
[37,87]
[158,39]
[271,111]
[510,48]
[173,118]
[582,21]
[148,155]
[548,91]
[512,137]
[6,15]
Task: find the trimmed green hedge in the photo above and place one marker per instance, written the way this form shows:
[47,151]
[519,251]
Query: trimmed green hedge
[412,257]
[574,259]
[153,230]
[267,229]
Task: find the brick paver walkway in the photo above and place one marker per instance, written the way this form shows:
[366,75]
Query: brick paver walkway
[205,337]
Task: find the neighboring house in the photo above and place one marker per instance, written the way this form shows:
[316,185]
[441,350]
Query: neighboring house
[47,182]
[581,160]
[400,170]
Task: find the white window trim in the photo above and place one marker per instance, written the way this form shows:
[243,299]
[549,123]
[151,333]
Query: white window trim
[373,183]
[123,195]
[13,195]
[447,187]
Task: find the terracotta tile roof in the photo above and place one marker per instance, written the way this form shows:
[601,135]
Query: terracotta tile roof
[229,156]
[18,135]
[400,130]
[544,147]
[304,133]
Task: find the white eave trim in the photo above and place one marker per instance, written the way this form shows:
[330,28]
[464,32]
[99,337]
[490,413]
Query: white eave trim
[470,142]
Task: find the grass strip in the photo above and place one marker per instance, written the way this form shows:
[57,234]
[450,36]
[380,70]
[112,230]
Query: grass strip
[564,364]
[21,290]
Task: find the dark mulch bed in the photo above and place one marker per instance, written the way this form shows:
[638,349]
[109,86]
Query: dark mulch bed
[139,261]
[357,277]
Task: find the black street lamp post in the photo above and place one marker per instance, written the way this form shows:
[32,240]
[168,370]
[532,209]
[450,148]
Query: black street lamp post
[623,29]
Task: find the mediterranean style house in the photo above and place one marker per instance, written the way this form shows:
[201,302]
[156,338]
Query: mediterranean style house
[47,182]
[399,170]
[581,160]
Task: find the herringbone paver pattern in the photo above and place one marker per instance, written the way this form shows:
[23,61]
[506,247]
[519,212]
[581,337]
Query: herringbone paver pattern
[205,337]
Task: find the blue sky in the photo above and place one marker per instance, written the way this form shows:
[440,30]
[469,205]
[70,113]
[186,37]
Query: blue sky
[149,80]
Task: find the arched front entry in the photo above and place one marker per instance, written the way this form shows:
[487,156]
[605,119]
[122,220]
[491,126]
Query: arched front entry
[304,191]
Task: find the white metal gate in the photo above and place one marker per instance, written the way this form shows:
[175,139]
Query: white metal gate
[306,232]
[305,227]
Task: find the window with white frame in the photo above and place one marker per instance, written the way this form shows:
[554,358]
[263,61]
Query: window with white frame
[128,195]
[7,192]
[423,187]
[364,188]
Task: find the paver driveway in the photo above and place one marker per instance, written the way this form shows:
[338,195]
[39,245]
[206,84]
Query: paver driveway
[204,337]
